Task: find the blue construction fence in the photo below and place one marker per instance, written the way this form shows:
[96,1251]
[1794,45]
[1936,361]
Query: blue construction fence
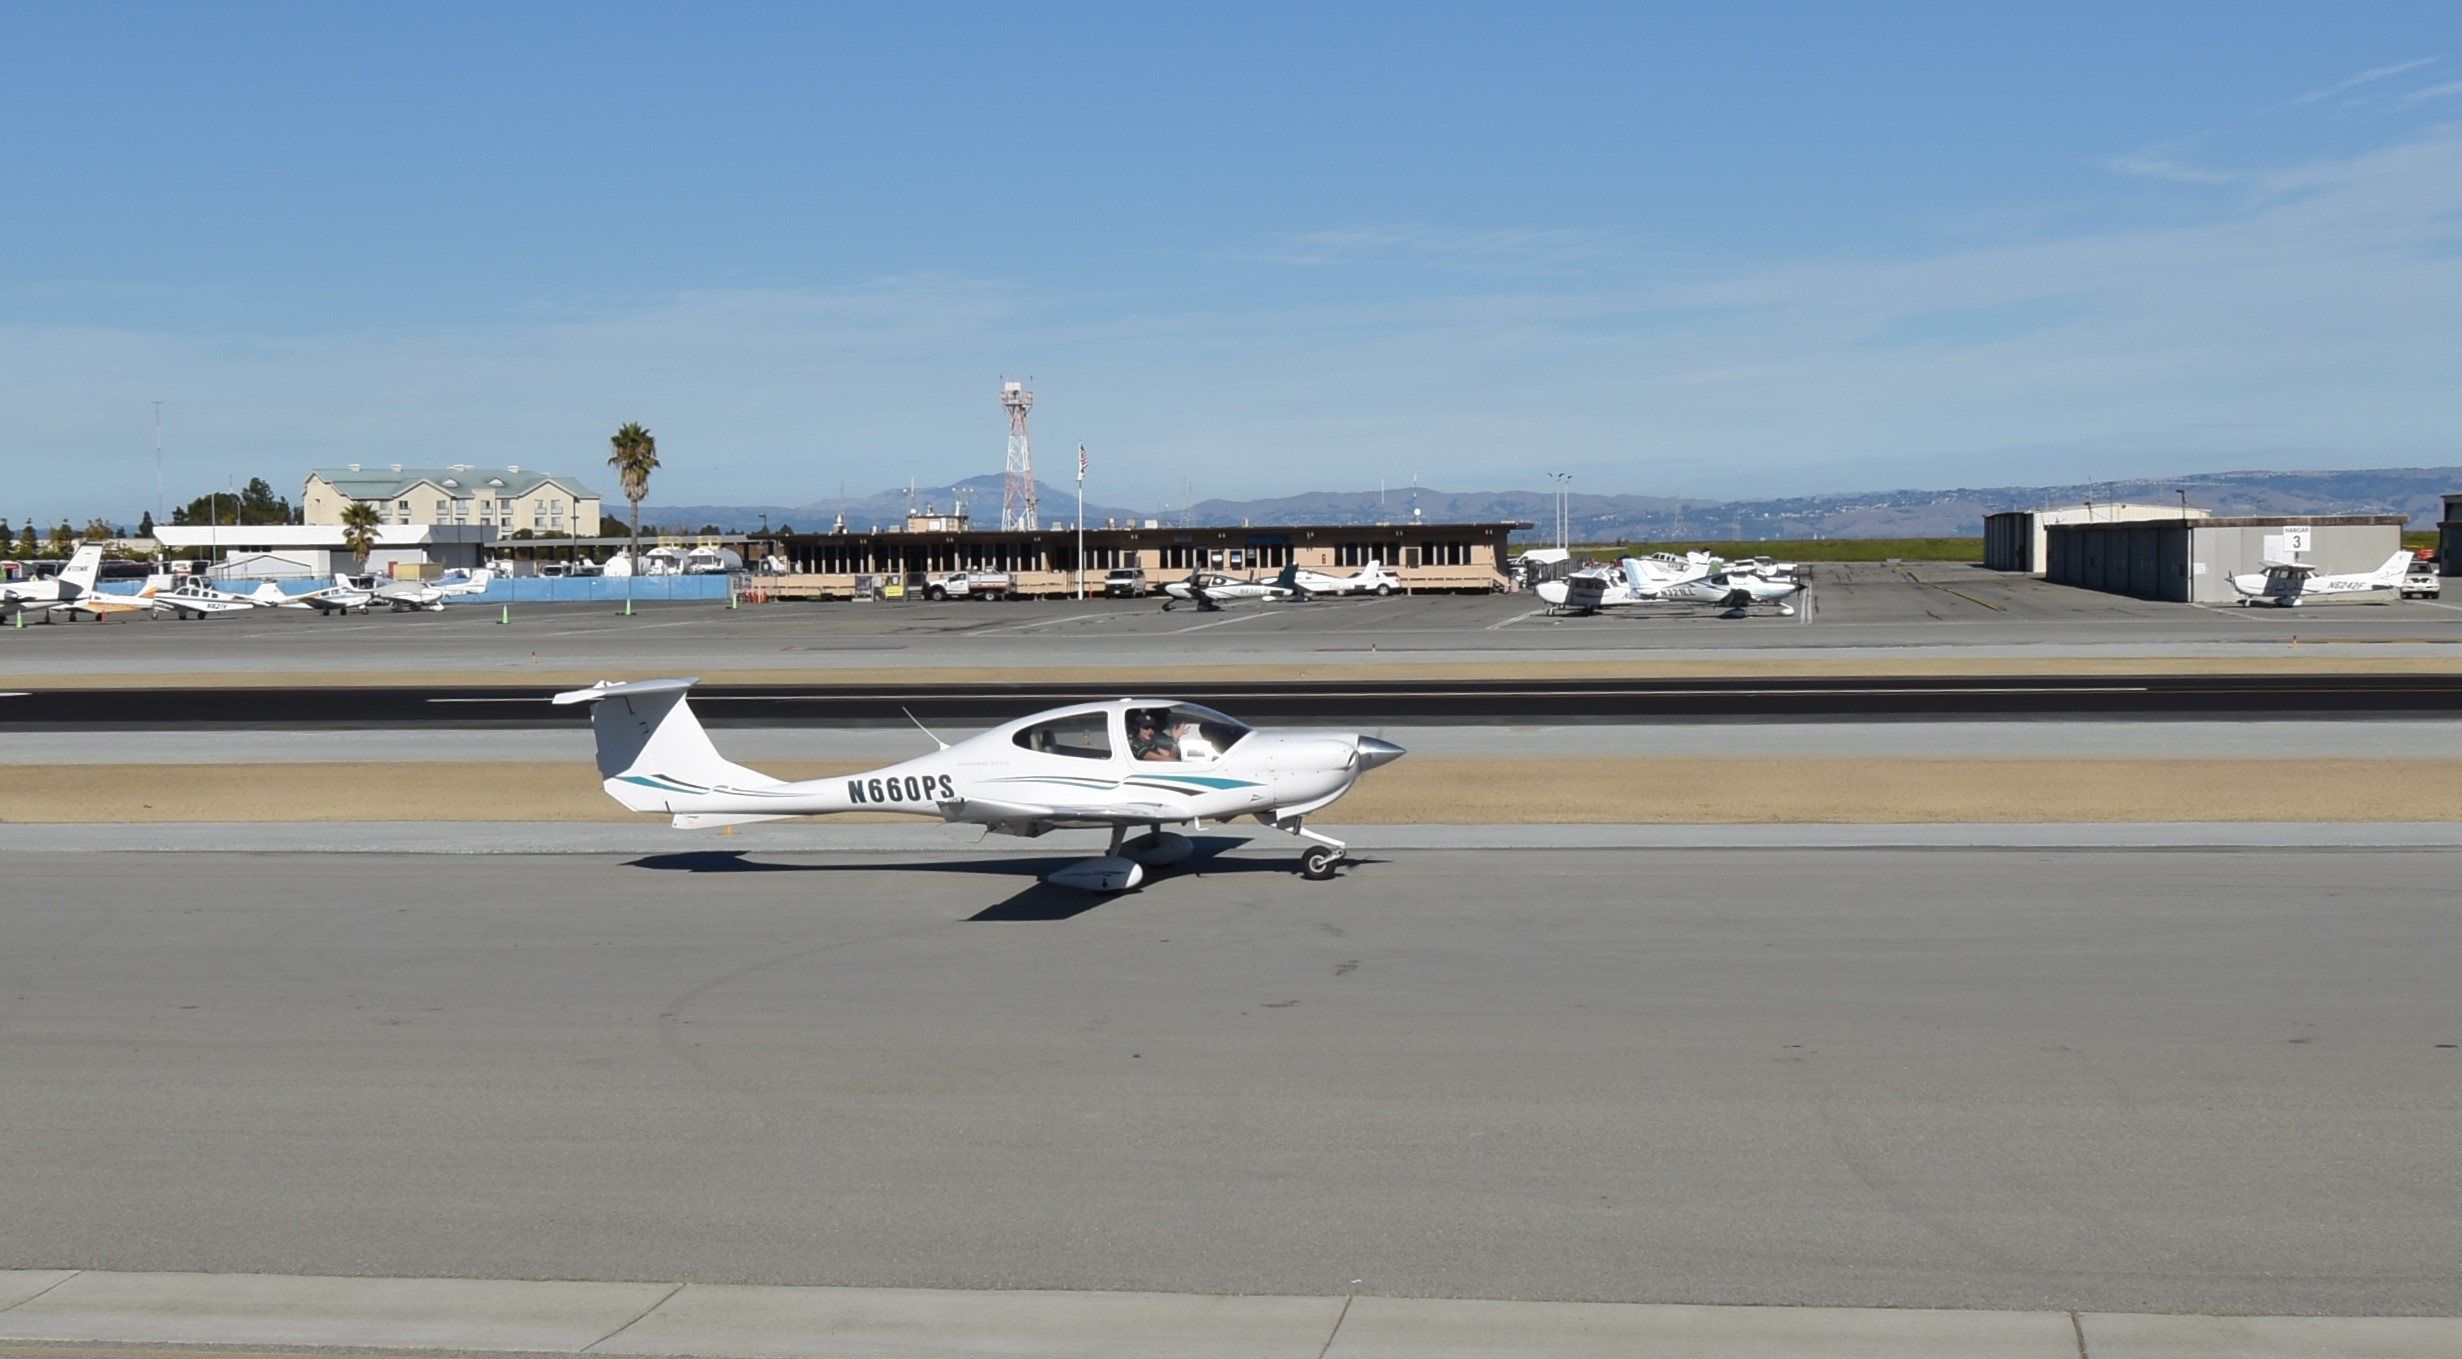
[596,589]
[517,589]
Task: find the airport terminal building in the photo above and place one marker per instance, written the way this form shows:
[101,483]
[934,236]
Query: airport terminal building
[1429,557]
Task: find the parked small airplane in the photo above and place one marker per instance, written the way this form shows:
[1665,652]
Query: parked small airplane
[1737,593]
[1696,578]
[1632,580]
[1373,579]
[1115,765]
[190,598]
[2285,584]
[75,581]
[1210,590]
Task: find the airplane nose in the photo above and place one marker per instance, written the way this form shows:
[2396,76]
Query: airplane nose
[1373,752]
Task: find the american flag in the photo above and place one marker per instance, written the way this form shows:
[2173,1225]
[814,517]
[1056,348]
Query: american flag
[1081,462]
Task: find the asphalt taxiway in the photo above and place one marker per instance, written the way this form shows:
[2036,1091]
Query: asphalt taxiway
[2149,1080]
[1869,613]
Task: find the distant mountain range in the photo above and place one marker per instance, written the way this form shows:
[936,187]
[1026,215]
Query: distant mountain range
[2412,491]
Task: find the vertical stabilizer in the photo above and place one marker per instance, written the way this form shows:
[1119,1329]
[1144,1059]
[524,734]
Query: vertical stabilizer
[652,751]
[84,565]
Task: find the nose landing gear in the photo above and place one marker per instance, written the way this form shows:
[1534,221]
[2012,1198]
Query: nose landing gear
[1320,860]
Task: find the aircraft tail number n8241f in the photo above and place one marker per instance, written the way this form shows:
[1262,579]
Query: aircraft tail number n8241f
[1117,765]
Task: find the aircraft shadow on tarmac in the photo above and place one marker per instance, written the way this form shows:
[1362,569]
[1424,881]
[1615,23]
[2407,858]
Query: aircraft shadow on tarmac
[1039,900]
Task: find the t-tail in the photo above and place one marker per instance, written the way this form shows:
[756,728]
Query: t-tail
[654,756]
[84,566]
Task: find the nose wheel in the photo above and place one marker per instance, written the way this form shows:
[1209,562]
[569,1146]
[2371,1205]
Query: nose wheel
[1320,860]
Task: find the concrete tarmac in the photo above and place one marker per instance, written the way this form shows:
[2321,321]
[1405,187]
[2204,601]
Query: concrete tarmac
[2157,1080]
[1872,613]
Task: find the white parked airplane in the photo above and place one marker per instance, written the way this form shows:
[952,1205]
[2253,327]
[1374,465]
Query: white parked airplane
[1114,765]
[190,597]
[1210,590]
[2285,584]
[1632,580]
[1693,579]
[1736,592]
[1373,579]
[75,581]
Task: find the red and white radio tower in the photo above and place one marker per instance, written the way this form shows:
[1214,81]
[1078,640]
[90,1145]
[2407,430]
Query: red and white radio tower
[1017,507]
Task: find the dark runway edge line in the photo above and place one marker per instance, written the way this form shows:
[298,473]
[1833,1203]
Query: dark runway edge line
[1424,702]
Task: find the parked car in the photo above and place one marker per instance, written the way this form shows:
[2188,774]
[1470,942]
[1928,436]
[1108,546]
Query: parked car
[1126,583]
[968,585]
[2420,581]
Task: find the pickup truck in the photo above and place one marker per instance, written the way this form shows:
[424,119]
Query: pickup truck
[967,585]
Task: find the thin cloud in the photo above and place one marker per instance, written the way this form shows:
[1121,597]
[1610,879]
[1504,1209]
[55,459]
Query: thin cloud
[2157,162]
[2444,91]
[2363,78]
[1501,249]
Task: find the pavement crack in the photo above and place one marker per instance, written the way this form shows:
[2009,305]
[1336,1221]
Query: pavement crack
[2075,1324]
[1339,1317]
[663,1299]
[75,1273]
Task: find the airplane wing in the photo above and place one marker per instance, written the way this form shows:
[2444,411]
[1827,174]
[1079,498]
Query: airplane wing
[996,812]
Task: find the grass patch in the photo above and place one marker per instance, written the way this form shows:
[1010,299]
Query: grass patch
[1817,549]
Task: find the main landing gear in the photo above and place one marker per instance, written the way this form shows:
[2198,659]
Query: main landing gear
[1123,866]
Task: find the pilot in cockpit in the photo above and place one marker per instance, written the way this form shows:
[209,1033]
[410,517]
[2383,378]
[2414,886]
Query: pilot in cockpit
[1149,739]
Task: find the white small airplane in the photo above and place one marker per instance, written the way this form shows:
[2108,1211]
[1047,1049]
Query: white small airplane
[405,595]
[1210,590]
[347,593]
[460,584]
[1737,593]
[1631,580]
[75,581]
[2285,584]
[1696,578]
[1373,579]
[191,597]
[1113,766]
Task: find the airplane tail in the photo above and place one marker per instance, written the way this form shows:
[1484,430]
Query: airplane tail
[1289,580]
[2395,568]
[84,566]
[652,752]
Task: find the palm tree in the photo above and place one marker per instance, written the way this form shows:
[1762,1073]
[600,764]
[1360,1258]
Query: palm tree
[633,453]
[359,530]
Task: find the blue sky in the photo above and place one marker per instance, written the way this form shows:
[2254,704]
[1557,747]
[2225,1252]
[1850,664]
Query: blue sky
[1725,251]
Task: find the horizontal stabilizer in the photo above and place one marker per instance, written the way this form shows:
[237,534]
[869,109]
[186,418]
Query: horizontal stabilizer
[714,820]
[621,688]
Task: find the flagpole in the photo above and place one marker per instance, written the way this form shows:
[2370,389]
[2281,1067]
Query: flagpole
[1081,523]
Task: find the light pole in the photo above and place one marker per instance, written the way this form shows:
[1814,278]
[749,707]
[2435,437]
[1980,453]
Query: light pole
[2188,552]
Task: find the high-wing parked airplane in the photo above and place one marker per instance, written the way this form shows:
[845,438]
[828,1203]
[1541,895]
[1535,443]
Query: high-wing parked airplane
[1210,590]
[75,581]
[1373,579]
[1115,765]
[1693,579]
[2285,584]
[1632,580]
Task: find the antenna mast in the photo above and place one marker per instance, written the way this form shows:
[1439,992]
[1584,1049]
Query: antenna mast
[1017,507]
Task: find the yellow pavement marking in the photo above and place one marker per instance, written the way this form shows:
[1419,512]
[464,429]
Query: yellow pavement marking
[1430,790]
